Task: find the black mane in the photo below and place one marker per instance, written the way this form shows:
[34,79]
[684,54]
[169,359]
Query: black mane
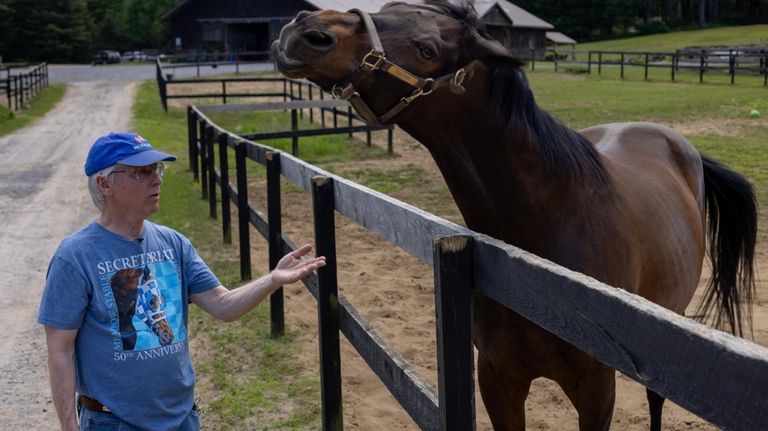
[566,152]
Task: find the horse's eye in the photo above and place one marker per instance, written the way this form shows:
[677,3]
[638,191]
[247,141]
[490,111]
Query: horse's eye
[427,53]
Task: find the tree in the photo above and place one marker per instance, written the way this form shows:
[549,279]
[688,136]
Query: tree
[46,30]
[586,19]
[143,26]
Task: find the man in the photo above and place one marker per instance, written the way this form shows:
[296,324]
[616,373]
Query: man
[116,296]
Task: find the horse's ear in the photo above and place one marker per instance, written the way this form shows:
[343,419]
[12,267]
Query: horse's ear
[490,52]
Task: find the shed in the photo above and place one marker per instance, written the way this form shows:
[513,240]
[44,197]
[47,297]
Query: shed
[555,38]
[242,25]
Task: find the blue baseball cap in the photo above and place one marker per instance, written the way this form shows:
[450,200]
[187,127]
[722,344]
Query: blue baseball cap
[128,149]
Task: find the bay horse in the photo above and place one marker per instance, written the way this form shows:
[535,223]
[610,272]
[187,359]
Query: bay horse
[625,203]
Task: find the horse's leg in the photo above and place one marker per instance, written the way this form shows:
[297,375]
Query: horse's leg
[503,397]
[655,404]
[593,393]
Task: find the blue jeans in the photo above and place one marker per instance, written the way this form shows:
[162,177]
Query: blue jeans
[99,421]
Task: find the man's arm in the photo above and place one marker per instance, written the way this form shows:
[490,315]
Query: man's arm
[61,371]
[230,305]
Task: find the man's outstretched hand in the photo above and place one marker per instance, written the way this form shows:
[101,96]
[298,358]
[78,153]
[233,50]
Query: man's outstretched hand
[296,265]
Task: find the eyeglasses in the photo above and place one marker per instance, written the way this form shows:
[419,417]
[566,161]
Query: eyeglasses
[145,172]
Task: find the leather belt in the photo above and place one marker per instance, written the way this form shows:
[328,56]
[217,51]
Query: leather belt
[93,405]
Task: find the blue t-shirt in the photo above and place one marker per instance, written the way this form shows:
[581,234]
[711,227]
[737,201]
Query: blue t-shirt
[129,299]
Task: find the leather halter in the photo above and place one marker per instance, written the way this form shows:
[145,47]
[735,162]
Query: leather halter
[376,60]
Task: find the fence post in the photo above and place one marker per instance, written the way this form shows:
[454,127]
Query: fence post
[202,156]
[322,110]
[646,66]
[311,111]
[701,67]
[213,135]
[224,90]
[226,219]
[455,356]
[674,65]
[589,62]
[622,65]
[599,63]
[275,238]
[8,91]
[294,129]
[243,212]
[301,97]
[204,160]
[765,70]
[192,141]
[349,119]
[533,60]
[23,89]
[732,65]
[327,304]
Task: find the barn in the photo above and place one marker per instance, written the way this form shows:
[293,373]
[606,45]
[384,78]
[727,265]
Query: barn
[243,25]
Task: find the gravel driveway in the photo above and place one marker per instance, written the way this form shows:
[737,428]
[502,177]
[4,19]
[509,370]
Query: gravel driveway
[43,198]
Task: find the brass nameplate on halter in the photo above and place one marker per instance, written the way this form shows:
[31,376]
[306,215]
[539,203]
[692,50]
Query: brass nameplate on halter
[404,76]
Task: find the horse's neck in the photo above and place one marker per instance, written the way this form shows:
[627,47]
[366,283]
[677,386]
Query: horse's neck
[500,181]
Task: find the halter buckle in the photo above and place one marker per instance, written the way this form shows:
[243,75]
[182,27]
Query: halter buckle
[373,65]
[429,84]
[456,81]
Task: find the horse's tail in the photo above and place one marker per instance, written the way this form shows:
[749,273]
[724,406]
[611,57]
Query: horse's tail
[732,211]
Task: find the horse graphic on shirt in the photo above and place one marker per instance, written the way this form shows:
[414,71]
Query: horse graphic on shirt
[137,294]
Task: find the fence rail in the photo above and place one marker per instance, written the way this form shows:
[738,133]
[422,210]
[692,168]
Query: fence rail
[713,374]
[731,62]
[20,88]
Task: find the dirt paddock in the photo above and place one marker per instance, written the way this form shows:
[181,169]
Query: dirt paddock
[394,291]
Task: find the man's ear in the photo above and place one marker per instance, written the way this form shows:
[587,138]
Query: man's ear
[105,185]
[490,52]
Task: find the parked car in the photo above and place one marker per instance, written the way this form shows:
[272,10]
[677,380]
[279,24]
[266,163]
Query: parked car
[134,56]
[106,57]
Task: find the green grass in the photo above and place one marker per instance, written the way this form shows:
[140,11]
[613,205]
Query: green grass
[318,150]
[667,42]
[37,108]
[251,375]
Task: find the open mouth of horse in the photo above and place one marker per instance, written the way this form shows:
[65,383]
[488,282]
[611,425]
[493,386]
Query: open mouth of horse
[294,46]
[284,63]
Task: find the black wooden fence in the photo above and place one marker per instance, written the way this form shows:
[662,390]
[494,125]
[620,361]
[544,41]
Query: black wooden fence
[20,88]
[731,62]
[717,376]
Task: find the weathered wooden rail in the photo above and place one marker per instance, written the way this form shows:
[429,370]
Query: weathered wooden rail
[717,376]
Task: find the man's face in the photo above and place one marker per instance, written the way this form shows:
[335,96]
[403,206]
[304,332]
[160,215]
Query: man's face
[136,189]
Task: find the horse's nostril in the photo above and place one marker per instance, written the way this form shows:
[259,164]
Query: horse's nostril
[301,15]
[319,40]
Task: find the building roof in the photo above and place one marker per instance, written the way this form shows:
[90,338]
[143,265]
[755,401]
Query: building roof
[364,5]
[559,38]
[518,17]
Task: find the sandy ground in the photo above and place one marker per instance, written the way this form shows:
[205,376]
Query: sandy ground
[43,198]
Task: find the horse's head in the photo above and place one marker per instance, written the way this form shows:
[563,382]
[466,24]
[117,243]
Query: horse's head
[422,48]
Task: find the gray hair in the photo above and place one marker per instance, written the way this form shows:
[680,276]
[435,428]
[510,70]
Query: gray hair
[96,194]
